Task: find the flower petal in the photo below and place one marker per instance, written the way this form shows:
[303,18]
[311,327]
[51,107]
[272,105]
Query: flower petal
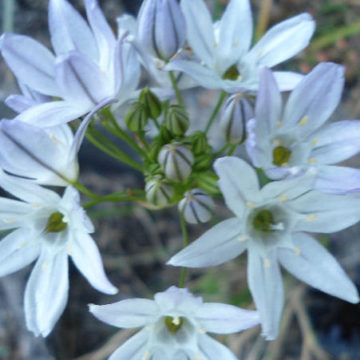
[287,80]
[31,62]
[28,191]
[13,213]
[29,151]
[206,77]
[52,113]
[313,264]
[326,213]
[314,99]
[213,350]
[129,313]
[337,179]
[103,34]
[238,183]
[81,80]
[336,142]
[199,28]
[235,33]
[69,31]
[134,348]
[268,106]
[225,319]
[16,251]
[221,243]
[283,41]
[265,283]
[46,292]
[87,259]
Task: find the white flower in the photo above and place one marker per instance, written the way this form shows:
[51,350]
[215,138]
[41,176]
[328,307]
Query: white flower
[90,66]
[174,325]
[287,140]
[50,229]
[268,223]
[224,58]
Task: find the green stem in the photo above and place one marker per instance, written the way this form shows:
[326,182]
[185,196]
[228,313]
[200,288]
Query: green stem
[176,89]
[221,151]
[117,130]
[118,154]
[115,197]
[186,243]
[231,150]
[333,36]
[83,189]
[216,111]
[263,18]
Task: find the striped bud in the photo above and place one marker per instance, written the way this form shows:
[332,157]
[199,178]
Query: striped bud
[158,193]
[236,112]
[136,117]
[176,161]
[177,120]
[161,28]
[197,206]
[151,102]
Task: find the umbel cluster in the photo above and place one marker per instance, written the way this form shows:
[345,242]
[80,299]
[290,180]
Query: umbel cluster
[284,187]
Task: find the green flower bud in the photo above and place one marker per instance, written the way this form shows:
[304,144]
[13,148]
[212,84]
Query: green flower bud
[151,102]
[176,160]
[236,112]
[208,181]
[158,193]
[177,120]
[196,206]
[203,162]
[136,117]
[199,142]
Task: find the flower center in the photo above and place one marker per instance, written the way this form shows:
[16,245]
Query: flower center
[264,221]
[232,73]
[55,223]
[281,155]
[174,323]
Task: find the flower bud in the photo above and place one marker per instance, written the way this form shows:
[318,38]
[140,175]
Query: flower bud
[236,112]
[196,206]
[161,28]
[199,142]
[176,160]
[157,192]
[136,117]
[208,181]
[177,120]
[151,102]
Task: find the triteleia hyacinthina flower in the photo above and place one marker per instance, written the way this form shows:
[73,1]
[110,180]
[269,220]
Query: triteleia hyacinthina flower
[161,28]
[175,326]
[87,70]
[48,229]
[288,139]
[224,59]
[270,223]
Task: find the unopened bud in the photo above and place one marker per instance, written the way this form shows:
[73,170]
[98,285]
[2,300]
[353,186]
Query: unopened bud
[196,206]
[151,102]
[208,181]
[136,117]
[236,112]
[161,28]
[177,120]
[176,160]
[158,193]
[199,142]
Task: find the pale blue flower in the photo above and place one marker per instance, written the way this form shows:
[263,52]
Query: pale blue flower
[48,229]
[269,224]
[90,65]
[287,139]
[224,59]
[175,326]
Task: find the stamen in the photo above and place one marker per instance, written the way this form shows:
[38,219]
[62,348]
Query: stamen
[315,141]
[304,120]
[236,43]
[277,227]
[250,205]
[267,263]
[311,218]
[312,161]
[297,251]
[279,124]
[242,238]
[146,355]
[283,198]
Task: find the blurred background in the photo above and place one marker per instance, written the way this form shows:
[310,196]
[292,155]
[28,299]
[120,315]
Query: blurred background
[135,243]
